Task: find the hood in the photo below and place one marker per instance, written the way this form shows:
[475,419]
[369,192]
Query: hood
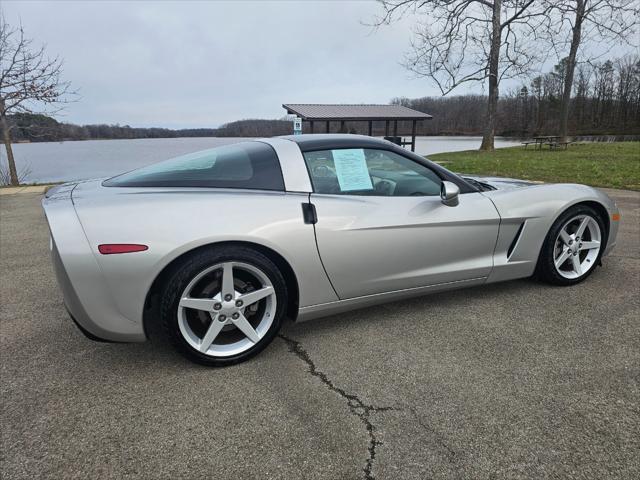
[499,183]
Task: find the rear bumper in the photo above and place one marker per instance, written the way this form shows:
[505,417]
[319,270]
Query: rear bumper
[86,332]
[86,294]
[99,332]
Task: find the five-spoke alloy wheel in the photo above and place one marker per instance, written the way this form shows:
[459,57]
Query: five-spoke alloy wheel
[573,246]
[222,306]
[577,246]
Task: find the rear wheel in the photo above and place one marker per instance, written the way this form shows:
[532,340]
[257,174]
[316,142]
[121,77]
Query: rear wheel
[573,247]
[223,305]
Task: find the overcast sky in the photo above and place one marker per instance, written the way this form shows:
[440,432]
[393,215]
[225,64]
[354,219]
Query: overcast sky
[201,64]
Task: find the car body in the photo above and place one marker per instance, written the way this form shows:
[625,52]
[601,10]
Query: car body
[337,251]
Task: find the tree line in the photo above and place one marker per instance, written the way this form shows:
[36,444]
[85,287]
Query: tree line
[29,127]
[605,100]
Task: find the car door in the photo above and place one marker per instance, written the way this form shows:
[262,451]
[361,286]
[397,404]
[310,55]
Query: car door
[381,225]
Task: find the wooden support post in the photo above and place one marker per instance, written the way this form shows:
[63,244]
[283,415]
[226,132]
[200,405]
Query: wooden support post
[386,128]
[311,125]
[342,126]
[370,128]
[395,128]
[413,136]
[328,126]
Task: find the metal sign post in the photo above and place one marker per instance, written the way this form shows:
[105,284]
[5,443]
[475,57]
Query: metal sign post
[297,126]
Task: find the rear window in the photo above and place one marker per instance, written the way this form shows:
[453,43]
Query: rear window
[252,165]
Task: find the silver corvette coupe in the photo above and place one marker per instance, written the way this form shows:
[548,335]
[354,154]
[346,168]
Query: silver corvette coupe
[219,246]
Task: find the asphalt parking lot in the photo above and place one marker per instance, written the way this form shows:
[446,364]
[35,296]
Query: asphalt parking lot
[514,380]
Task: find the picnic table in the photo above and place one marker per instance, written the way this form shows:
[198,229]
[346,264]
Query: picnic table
[552,140]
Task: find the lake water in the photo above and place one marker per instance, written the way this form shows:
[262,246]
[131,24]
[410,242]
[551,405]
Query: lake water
[65,161]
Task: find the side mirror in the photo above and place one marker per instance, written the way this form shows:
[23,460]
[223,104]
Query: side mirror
[449,192]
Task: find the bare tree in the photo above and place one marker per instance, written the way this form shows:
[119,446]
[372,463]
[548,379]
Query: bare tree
[628,89]
[605,21]
[30,82]
[461,41]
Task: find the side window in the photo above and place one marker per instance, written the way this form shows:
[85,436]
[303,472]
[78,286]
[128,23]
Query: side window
[252,165]
[358,171]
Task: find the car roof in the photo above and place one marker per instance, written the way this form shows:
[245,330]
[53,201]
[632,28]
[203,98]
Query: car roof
[316,141]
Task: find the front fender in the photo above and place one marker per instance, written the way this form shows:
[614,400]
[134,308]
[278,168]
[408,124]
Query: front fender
[535,209]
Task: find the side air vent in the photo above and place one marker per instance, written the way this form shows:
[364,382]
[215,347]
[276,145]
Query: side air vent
[514,242]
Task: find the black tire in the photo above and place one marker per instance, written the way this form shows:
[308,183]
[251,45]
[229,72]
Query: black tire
[546,269]
[196,263]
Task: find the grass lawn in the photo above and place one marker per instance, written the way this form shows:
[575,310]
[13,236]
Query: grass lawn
[614,165]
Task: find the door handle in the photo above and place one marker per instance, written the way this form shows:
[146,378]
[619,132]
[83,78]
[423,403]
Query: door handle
[309,213]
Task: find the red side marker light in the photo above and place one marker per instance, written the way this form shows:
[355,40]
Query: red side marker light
[113,248]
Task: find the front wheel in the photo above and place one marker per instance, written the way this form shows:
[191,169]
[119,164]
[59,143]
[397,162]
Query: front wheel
[573,247]
[224,305]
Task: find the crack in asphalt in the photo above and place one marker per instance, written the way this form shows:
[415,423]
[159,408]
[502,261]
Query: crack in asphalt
[356,406]
[450,453]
